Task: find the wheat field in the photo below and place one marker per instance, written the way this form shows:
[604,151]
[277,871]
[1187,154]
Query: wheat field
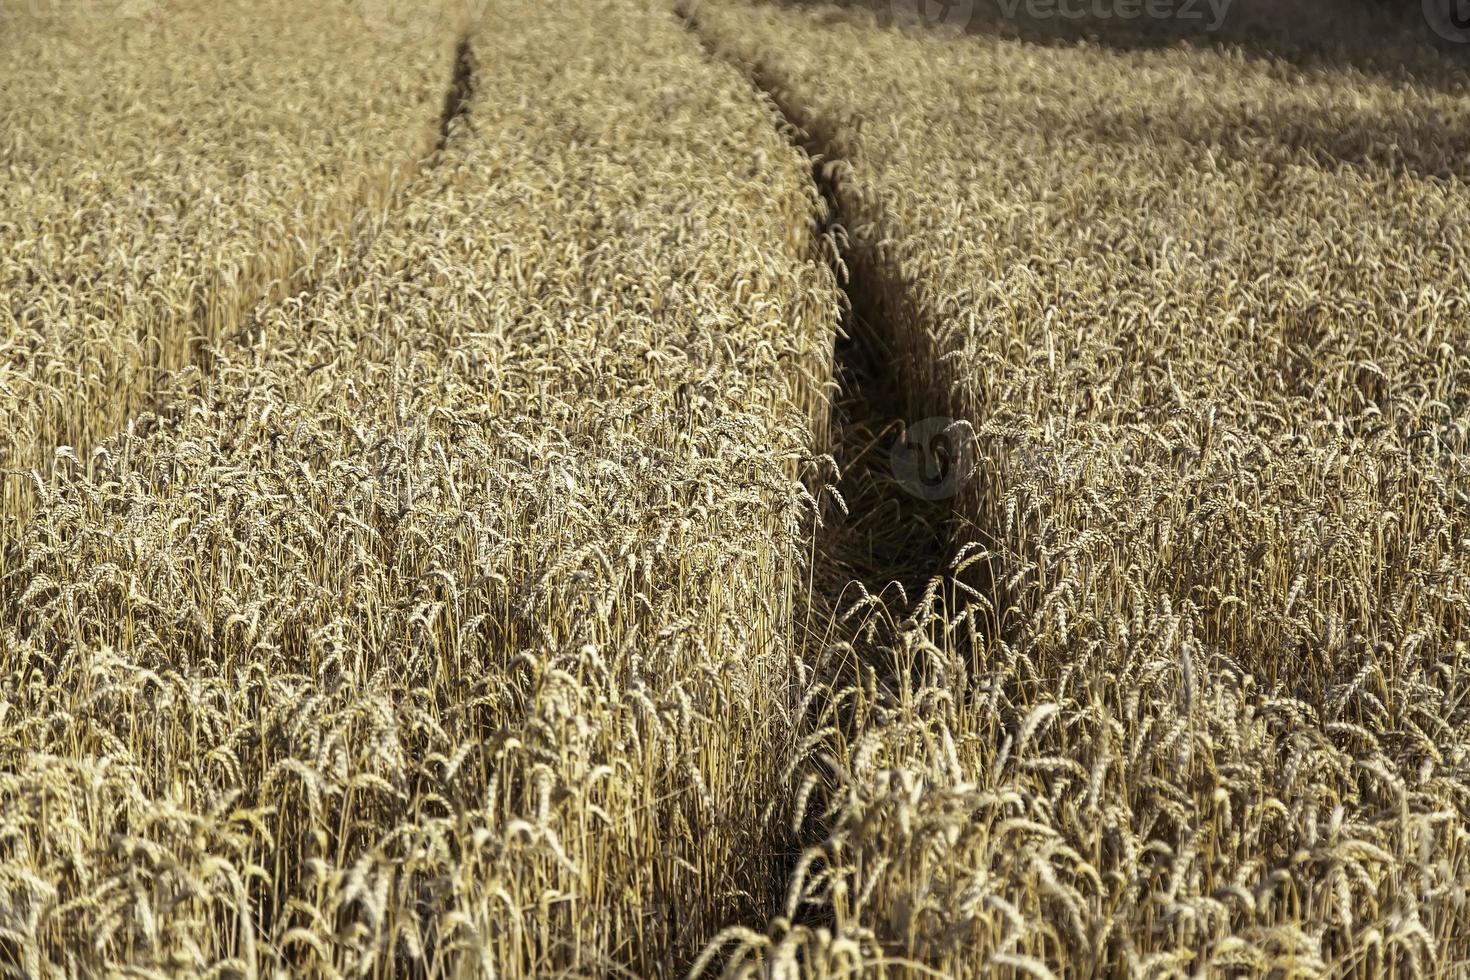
[498,488]
[186,167]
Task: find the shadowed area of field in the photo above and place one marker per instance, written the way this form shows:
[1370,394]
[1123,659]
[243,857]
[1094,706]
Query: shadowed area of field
[1392,39]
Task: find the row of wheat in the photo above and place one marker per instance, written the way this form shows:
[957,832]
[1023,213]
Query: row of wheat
[160,174]
[1203,705]
[438,625]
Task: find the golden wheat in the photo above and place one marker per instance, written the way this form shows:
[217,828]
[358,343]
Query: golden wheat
[1206,708]
[187,165]
[440,539]
[442,626]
